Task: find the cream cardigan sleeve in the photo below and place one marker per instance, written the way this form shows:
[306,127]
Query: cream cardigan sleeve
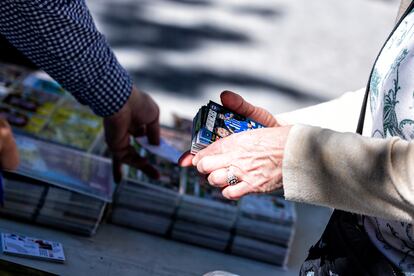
[333,167]
[350,172]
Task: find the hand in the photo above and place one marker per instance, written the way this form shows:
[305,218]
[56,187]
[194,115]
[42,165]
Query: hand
[9,155]
[237,104]
[138,117]
[255,158]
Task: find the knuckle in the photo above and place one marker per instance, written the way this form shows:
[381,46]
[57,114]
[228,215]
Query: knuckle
[228,195]
[5,132]
[119,154]
[232,195]
[215,179]
[201,166]
[212,179]
[256,186]
[200,155]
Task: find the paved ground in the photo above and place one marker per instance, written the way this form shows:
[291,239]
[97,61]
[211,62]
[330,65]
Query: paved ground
[280,54]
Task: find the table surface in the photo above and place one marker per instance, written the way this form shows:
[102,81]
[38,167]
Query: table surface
[117,250]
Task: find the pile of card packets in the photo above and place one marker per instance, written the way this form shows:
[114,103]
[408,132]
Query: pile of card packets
[63,183]
[181,206]
[57,186]
[203,217]
[36,106]
[59,182]
[264,228]
[213,122]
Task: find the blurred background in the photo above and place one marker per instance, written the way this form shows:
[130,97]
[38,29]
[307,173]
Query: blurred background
[279,54]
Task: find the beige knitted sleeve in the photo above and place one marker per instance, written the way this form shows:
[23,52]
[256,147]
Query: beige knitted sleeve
[347,171]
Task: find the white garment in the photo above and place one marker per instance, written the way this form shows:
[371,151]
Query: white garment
[392,106]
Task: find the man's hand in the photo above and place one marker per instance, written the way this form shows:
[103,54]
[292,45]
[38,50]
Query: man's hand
[9,155]
[138,117]
[237,104]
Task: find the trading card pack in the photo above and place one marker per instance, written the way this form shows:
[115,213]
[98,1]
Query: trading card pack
[214,122]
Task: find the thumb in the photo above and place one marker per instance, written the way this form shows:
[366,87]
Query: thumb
[237,104]
[117,170]
[186,160]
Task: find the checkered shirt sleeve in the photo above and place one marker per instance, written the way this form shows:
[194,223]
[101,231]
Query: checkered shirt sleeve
[60,37]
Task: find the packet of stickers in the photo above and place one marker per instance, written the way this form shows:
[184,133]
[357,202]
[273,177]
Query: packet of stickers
[214,122]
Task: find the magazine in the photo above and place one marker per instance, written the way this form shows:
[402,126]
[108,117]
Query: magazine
[72,127]
[66,168]
[19,245]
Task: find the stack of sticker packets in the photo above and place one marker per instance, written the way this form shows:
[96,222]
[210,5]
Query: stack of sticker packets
[204,217]
[214,122]
[58,186]
[264,228]
[148,204]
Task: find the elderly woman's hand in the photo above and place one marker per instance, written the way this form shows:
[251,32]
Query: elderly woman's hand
[254,157]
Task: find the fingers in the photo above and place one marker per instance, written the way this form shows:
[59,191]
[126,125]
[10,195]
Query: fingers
[186,160]
[218,178]
[131,158]
[138,131]
[145,112]
[150,171]
[235,192]
[4,123]
[213,149]
[240,106]
[134,160]
[117,170]
[214,162]
[153,132]
[116,133]
[264,117]
[139,116]
[236,103]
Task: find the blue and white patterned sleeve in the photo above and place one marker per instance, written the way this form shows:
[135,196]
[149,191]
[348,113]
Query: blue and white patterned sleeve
[60,37]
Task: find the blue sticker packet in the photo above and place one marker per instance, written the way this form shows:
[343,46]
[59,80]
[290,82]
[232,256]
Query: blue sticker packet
[214,122]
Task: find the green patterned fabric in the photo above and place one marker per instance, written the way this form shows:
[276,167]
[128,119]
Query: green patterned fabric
[392,107]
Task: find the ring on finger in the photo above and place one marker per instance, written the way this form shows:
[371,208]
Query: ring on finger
[232,179]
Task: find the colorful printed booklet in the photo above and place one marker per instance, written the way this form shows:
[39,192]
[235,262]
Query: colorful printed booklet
[19,245]
[214,122]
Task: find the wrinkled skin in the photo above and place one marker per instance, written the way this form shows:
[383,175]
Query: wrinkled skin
[255,156]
